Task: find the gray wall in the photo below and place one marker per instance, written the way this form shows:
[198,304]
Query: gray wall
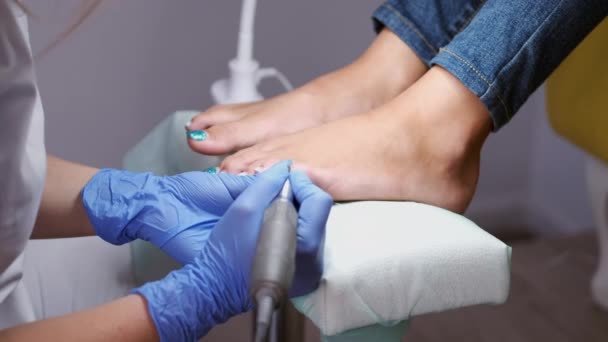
[531,178]
[134,62]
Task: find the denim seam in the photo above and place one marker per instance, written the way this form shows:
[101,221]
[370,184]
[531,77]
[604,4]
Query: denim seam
[410,25]
[508,64]
[482,77]
[480,5]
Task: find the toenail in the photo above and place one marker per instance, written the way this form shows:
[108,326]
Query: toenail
[211,170]
[197,135]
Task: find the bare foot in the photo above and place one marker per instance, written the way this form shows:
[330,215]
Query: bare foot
[387,68]
[417,147]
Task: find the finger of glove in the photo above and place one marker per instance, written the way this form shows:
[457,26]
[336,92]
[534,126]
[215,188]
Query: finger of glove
[211,183]
[248,209]
[187,245]
[236,184]
[212,192]
[315,205]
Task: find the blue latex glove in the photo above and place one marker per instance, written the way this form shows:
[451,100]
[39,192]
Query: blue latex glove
[175,213]
[189,302]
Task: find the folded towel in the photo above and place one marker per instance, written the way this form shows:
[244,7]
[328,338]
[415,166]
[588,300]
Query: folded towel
[388,261]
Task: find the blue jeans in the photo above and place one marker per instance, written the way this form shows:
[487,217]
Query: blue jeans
[502,50]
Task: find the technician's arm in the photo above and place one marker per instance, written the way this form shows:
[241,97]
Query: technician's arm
[125,319]
[61,212]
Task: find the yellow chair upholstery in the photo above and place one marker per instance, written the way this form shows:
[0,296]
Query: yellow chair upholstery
[577,95]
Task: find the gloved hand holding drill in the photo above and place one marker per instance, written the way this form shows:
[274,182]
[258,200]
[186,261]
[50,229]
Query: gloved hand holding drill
[215,285]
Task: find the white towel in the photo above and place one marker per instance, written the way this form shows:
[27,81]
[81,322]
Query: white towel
[388,261]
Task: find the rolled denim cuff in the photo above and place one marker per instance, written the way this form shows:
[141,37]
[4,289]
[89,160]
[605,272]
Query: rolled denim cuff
[479,84]
[425,26]
[389,15]
[509,48]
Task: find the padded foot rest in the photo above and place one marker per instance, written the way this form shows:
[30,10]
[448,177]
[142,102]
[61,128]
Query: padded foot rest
[388,261]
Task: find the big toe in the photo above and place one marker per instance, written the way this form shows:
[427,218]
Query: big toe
[221,139]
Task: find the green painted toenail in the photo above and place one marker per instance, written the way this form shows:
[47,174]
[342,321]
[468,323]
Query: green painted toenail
[211,170]
[197,135]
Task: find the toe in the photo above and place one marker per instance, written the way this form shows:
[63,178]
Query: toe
[240,162]
[261,165]
[222,138]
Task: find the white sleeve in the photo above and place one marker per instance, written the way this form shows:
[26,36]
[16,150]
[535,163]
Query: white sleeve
[22,155]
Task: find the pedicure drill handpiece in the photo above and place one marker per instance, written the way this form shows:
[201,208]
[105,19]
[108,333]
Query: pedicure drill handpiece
[274,262]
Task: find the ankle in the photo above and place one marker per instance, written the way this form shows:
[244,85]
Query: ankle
[445,133]
[460,122]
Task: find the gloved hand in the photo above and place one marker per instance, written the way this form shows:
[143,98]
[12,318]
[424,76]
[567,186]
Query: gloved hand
[189,302]
[175,213]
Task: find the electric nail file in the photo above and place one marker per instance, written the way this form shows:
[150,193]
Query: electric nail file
[274,262]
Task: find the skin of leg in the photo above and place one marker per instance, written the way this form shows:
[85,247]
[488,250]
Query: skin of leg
[382,72]
[423,146]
